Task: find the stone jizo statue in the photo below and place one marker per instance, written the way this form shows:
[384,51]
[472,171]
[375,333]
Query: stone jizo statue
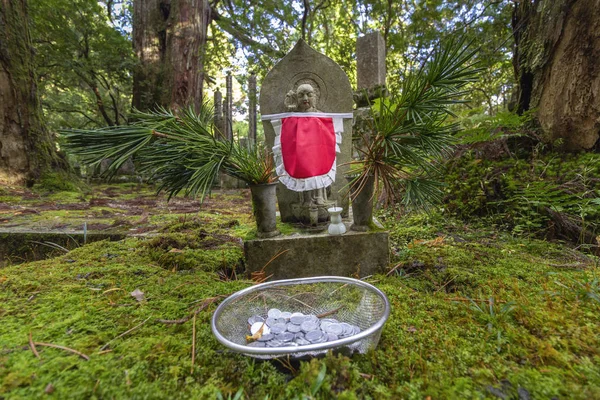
[304,99]
[306,144]
[306,105]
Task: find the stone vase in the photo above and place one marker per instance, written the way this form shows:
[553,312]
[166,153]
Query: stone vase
[264,203]
[362,204]
[336,227]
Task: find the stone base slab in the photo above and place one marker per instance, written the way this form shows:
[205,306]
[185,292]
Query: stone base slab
[352,254]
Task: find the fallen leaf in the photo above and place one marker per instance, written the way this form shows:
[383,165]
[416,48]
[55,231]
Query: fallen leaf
[174,250]
[138,294]
[49,388]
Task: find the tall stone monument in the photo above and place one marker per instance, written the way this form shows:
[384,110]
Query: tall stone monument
[370,60]
[306,72]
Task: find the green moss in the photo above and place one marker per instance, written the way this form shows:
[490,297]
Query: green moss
[518,193]
[436,342]
[60,181]
[205,260]
[283,227]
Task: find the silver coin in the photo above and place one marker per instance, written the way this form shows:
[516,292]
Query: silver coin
[258,326]
[285,337]
[322,339]
[299,335]
[308,326]
[291,327]
[297,319]
[266,338]
[286,315]
[335,329]
[280,321]
[274,313]
[255,318]
[271,321]
[347,329]
[331,337]
[301,342]
[275,343]
[331,320]
[356,329]
[256,344]
[312,318]
[314,336]
[278,328]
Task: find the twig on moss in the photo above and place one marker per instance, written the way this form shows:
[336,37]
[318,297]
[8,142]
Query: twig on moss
[124,333]
[467,300]
[325,314]
[32,346]
[260,275]
[193,344]
[575,265]
[204,305]
[56,346]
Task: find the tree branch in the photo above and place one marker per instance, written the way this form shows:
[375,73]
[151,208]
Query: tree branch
[238,32]
[61,110]
[304,17]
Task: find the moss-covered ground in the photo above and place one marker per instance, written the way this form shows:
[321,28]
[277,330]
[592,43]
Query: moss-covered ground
[110,208]
[476,313]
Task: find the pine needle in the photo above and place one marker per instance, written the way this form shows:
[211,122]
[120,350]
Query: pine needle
[56,346]
[32,346]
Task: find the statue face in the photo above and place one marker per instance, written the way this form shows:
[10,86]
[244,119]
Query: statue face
[306,97]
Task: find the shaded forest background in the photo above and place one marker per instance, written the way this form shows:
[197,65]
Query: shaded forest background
[88,62]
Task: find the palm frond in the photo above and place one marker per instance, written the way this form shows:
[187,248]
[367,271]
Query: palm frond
[178,149]
[409,131]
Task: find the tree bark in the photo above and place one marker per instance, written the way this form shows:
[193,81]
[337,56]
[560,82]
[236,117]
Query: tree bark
[169,37]
[26,148]
[557,69]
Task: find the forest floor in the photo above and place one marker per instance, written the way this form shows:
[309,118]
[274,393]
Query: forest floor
[477,312]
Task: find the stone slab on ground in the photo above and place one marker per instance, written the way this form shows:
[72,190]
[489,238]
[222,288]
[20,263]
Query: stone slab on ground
[352,254]
[32,245]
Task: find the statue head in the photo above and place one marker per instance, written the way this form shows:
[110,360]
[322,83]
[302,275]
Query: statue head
[307,98]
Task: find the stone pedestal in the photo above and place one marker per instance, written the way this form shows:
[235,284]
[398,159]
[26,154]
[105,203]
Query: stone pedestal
[352,254]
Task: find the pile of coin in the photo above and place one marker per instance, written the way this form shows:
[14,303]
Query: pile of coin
[283,328]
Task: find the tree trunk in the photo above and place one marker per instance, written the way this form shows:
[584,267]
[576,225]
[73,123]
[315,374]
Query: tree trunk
[26,148]
[169,38]
[556,64]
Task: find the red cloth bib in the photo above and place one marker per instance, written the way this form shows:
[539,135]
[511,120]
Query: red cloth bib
[307,146]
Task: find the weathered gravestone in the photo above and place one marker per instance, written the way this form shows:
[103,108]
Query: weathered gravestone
[370,54]
[332,94]
[307,81]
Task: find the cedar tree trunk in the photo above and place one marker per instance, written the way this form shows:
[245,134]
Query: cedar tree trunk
[169,38]
[557,64]
[27,149]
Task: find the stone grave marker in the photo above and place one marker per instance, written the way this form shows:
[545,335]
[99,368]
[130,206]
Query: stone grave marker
[370,61]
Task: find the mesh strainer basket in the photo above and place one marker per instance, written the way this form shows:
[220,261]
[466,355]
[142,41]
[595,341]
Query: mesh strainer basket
[352,301]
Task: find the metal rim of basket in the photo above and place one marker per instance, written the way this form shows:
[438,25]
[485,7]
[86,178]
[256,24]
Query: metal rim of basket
[300,349]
